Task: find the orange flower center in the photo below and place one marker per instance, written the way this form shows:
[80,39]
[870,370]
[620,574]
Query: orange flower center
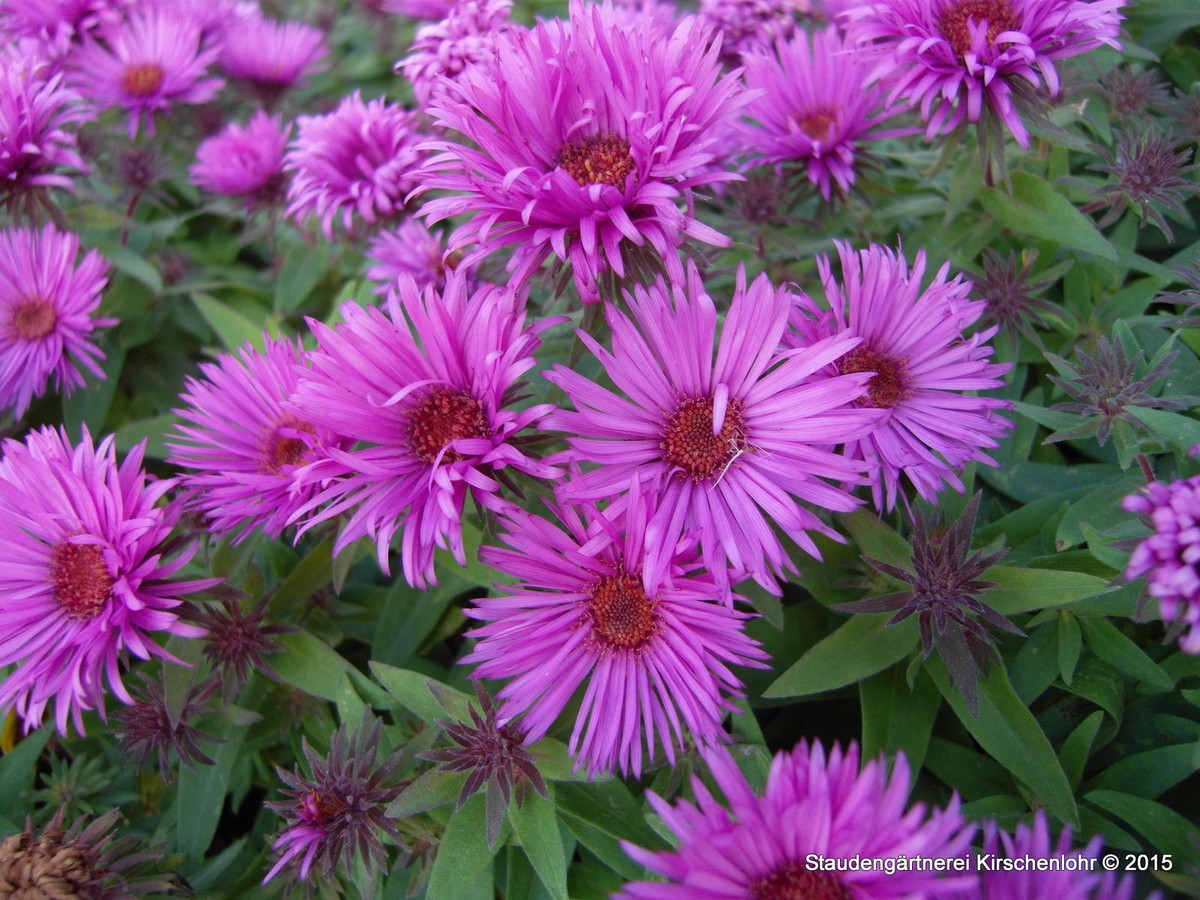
[320,808]
[889,386]
[689,443]
[792,881]
[817,124]
[598,159]
[82,584]
[443,416]
[622,615]
[142,80]
[955,18]
[284,450]
[34,319]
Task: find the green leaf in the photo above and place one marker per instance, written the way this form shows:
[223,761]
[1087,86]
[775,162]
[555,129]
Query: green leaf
[429,791]
[555,763]
[859,648]
[1100,509]
[877,540]
[1179,431]
[1114,648]
[310,664]
[606,847]
[303,268]
[1070,643]
[1164,830]
[1037,209]
[1099,682]
[19,765]
[312,573]
[1150,773]
[973,775]
[233,328]
[1007,730]
[412,690]
[200,795]
[1077,747]
[409,616]
[463,853]
[134,265]
[609,807]
[1022,590]
[536,826]
[90,407]
[897,717]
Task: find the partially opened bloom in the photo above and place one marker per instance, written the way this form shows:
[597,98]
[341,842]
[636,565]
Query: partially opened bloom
[730,445]
[57,20]
[412,249]
[914,341]
[653,651]
[152,61]
[812,110]
[85,579]
[424,387]
[336,813]
[1169,557]
[1076,876]
[586,140]
[271,57]
[47,300]
[244,160]
[958,60]
[443,50]
[38,116]
[242,446]
[814,804]
[359,161]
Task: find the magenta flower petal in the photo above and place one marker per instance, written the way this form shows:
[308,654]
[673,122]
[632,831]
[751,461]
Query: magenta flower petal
[729,445]
[654,655]
[271,57]
[424,388]
[446,48]
[814,804]
[47,301]
[85,577]
[244,160]
[586,139]
[925,366]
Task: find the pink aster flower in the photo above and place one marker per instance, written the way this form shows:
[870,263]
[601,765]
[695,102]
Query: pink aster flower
[151,62]
[752,25]
[587,140]
[244,160]
[1169,556]
[1080,879]
[38,115]
[813,109]
[961,59]
[443,50]
[914,342]
[729,445]
[270,57]
[58,20]
[814,803]
[429,10]
[654,653]
[424,388]
[362,159]
[413,250]
[46,307]
[85,577]
[244,447]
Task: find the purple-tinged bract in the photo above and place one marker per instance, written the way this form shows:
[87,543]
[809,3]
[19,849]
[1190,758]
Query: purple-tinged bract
[730,445]
[812,110]
[38,115]
[358,162]
[586,141]
[85,578]
[270,57]
[47,300]
[443,50]
[653,650]
[152,61]
[959,59]
[1169,557]
[923,364]
[244,160]
[813,804]
[243,446]
[423,387]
